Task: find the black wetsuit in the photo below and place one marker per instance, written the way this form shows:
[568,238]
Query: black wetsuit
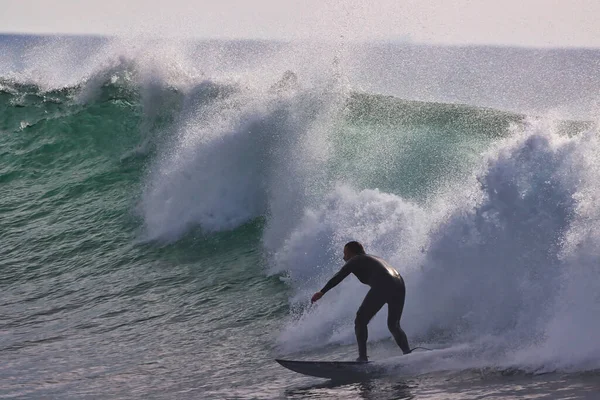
[387,286]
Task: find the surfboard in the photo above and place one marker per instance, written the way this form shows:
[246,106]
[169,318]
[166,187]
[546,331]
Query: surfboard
[334,370]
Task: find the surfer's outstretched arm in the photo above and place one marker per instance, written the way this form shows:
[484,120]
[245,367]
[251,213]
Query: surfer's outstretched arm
[337,278]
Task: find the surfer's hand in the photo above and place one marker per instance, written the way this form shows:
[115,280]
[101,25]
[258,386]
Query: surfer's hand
[316,297]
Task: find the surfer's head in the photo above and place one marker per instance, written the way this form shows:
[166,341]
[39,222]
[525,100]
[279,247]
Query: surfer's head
[352,249]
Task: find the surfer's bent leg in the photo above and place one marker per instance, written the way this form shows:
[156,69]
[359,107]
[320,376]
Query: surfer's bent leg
[395,307]
[367,310]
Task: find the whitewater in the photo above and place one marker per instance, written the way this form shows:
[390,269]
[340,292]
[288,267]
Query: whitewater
[169,207]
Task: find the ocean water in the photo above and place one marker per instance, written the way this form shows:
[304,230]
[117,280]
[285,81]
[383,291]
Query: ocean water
[168,208]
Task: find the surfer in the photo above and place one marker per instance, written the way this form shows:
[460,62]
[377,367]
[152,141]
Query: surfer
[387,286]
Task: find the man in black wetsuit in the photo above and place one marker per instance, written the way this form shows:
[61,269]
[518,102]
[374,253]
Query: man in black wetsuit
[387,286]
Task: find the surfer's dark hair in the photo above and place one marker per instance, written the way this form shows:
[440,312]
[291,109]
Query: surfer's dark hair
[355,247]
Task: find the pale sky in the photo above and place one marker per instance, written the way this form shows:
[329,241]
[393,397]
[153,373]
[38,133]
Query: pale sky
[540,23]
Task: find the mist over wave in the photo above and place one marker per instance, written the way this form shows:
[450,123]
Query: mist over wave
[517,79]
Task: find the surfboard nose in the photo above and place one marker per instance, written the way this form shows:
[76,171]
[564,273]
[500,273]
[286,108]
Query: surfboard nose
[335,370]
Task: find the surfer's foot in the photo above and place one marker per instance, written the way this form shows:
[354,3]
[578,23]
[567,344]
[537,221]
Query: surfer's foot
[362,360]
